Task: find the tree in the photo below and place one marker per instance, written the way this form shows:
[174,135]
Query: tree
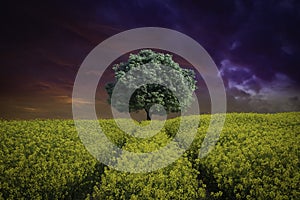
[147,97]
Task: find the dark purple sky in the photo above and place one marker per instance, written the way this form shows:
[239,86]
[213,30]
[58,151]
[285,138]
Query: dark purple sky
[255,44]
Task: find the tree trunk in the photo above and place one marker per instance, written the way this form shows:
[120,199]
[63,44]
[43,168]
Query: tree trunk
[148,114]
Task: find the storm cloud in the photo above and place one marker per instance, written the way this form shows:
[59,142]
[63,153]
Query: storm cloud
[254,43]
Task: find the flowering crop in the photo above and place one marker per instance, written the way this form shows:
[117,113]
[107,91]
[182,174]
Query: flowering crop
[256,157]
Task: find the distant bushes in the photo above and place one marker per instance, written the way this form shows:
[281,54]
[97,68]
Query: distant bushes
[256,157]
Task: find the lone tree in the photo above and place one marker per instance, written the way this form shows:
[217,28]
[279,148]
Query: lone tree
[148,95]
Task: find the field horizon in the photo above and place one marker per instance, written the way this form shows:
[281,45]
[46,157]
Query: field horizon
[109,118]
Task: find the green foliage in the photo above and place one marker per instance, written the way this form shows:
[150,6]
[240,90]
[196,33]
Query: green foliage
[146,96]
[256,157]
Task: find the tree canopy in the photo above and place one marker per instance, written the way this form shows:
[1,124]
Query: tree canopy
[173,96]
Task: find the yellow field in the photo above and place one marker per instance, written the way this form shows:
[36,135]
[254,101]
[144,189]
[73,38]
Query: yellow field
[256,157]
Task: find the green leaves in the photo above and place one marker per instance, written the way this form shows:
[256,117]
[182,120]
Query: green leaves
[174,97]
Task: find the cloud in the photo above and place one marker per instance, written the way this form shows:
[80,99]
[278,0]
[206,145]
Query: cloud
[30,109]
[254,43]
[63,99]
[81,101]
[248,92]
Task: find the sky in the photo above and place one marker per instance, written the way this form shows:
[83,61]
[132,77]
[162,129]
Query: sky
[254,43]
